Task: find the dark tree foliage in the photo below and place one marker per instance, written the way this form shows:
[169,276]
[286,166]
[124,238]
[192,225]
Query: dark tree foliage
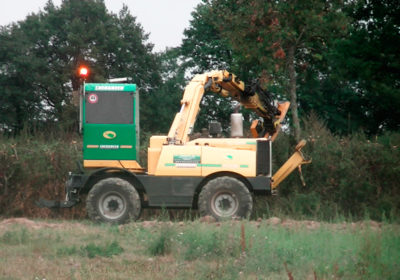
[203,47]
[159,108]
[279,37]
[338,59]
[39,58]
[17,101]
[273,40]
[366,68]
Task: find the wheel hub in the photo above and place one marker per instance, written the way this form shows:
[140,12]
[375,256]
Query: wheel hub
[225,204]
[112,205]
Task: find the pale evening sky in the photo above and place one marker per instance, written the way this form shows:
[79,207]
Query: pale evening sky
[165,20]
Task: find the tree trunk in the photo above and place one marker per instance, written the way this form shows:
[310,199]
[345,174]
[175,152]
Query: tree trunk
[293,94]
[19,118]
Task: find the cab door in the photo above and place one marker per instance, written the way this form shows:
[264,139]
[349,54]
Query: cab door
[109,131]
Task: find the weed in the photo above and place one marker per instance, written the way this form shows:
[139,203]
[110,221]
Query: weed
[161,243]
[92,250]
[204,244]
[19,237]
[108,250]
[68,251]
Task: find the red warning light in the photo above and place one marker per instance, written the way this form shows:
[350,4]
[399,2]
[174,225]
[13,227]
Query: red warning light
[83,72]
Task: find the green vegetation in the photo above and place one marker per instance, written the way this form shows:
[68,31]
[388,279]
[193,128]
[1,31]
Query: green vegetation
[160,244]
[351,176]
[338,64]
[40,57]
[35,165]
[15,237]
[92,250]
[229,250]
[338,59]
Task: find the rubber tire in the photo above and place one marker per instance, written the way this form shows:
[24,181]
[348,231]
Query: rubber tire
[116,186]
[230,185]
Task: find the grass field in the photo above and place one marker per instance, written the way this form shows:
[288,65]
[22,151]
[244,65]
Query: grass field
[263,249]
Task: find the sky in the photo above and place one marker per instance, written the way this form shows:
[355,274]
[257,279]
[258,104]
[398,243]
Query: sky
[165,20]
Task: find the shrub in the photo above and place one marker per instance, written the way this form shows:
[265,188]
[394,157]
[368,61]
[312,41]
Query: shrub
[15,237]
[161,242]
[351,176]
[107,250]
[92,250]
[33,167]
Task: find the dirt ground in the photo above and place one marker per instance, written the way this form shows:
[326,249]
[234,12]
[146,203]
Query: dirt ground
[274,221]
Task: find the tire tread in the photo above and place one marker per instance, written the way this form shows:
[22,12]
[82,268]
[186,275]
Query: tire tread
[133,200]
[228,183]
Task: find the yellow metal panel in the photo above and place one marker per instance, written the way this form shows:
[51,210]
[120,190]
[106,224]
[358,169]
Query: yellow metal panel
[219,159]
[296,160]
[179,161]
[126,164]
[157,141]
[249,144]
[153,154]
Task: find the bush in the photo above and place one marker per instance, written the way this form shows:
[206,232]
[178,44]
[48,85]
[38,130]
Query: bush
[161,243]
[108,250]
[33,167]
[92,250]
[15,237]
[350,176]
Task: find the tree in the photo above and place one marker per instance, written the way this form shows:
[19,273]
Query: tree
[280,36]
[205,49]
[17,103]
[158,109]
[368,62]
[40,57]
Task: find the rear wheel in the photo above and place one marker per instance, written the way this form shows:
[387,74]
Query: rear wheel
[225,197]
[113,200]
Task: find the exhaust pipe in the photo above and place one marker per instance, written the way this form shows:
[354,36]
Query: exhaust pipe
[236,125]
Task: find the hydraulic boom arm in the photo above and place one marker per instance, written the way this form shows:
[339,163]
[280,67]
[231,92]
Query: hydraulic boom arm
[226,84]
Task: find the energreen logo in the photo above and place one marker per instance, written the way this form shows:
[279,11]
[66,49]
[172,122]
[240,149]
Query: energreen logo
[109,134]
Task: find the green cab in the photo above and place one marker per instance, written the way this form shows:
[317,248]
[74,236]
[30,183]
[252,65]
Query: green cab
[109,122]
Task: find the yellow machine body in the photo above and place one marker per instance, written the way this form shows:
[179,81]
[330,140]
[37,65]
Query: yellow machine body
[218,176]
[203,157]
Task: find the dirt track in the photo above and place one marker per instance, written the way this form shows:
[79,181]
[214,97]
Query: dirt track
[274,221]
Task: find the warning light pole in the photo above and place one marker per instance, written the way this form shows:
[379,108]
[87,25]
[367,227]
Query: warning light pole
[83,73]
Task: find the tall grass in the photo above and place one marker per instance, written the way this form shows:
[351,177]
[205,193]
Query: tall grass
[32,166]
[203,251]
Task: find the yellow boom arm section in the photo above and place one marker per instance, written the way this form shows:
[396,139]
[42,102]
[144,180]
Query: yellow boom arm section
[225,84]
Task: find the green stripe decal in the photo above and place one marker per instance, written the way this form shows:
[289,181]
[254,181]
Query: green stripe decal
[210,165]
[110,87]
[251,143]
[206,165]
[198,165]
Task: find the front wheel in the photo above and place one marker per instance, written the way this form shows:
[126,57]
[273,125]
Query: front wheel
[225,197]
[113,200]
